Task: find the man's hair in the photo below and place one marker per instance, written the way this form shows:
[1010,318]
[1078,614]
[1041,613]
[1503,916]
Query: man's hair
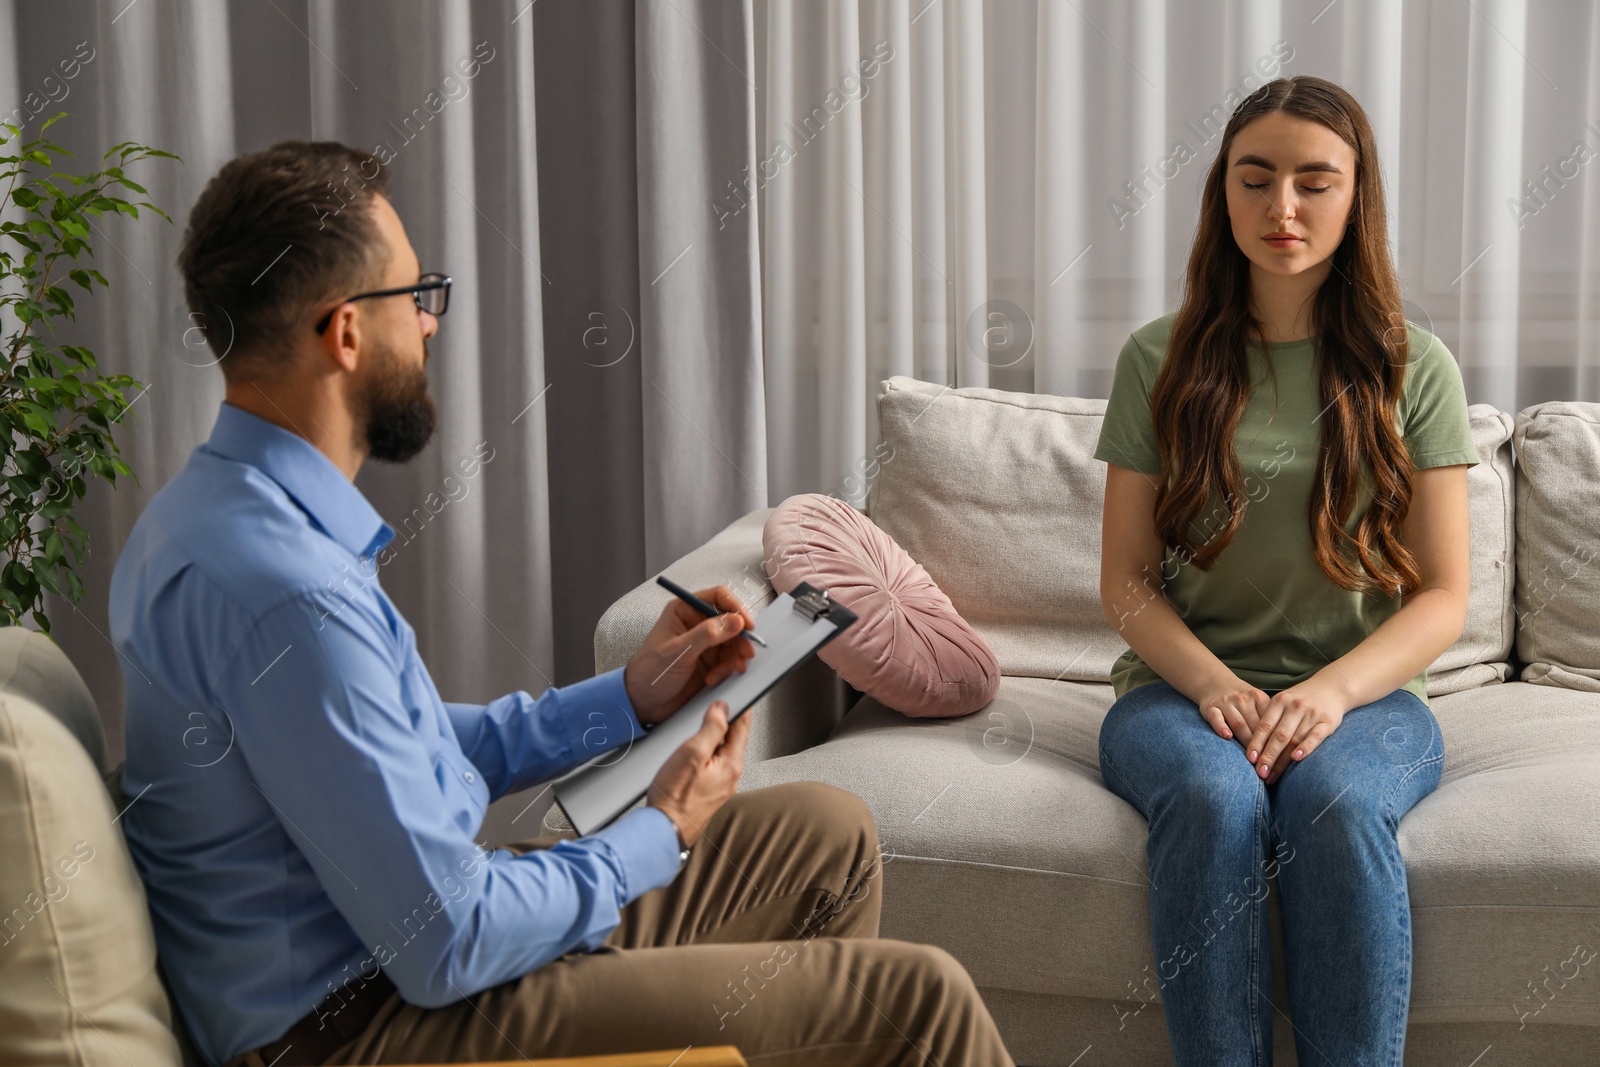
[275,234]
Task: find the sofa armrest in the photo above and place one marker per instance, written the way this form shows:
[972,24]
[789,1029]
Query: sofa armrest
[710,1056]
[800,711]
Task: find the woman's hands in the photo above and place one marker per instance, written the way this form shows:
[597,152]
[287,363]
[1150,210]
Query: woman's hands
[1277,730]
[1233,708]
[1293,724]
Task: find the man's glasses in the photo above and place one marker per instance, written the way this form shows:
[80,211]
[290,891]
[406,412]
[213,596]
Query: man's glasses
[431,294]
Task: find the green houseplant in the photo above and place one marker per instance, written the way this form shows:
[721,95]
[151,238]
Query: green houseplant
[57,410]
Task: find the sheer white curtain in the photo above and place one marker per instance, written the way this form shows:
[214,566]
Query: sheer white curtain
[1013,187]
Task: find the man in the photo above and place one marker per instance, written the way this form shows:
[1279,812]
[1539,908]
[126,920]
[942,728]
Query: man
[305,803]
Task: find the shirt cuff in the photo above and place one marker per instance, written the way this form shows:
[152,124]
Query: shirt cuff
[646,842]
[598,714]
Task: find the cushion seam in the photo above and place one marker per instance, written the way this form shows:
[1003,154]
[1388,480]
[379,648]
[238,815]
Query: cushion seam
[1011,403]
[1505,907]
[1012,867]
[1508,591]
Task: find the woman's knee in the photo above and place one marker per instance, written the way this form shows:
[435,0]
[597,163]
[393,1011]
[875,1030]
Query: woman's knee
[1224,807]
[1154,744]
[1321,794]
[1142,720]
[1336,805]
[1381,759]
[1397,731]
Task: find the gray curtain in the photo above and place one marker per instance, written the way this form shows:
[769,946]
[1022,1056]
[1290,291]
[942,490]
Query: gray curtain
[569,176]
[651,311]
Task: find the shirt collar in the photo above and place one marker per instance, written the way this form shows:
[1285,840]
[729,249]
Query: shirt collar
[309,477]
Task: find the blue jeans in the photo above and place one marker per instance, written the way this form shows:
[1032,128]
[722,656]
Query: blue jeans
[1325,829]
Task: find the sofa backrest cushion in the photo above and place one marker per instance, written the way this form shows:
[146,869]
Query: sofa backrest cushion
[1482,654]
[77,953]
[998,496]
[1558,520]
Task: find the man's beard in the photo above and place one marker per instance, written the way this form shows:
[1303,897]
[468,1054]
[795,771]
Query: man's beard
[397,409]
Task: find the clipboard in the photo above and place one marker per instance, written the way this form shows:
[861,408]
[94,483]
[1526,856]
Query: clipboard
[794,626]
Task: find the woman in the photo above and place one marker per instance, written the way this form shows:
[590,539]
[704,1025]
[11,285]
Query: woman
[1285,553]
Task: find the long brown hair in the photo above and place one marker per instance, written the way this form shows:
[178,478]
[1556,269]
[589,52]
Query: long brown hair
[1361,351]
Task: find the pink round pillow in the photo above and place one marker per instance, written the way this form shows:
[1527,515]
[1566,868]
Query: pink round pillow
[910,649]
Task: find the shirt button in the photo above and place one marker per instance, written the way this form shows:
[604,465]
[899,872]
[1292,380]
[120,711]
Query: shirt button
[470,779]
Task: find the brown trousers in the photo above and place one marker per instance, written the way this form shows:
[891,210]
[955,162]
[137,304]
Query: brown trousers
[766,940]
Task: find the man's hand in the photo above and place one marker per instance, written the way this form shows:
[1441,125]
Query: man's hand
[1294,723]
[702,774]
[685,652]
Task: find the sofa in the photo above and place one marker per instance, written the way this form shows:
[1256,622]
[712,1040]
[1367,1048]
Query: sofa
[1002,844]
[79,981]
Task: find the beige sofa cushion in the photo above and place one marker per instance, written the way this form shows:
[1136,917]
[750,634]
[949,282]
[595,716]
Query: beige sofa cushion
[998,496]
[1482,654]
[1558,517]
[77,954]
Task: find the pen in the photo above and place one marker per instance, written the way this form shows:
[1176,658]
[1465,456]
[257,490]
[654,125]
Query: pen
[700,605]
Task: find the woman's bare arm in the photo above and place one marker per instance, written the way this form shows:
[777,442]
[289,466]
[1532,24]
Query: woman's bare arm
[1131,588]
[1430,620]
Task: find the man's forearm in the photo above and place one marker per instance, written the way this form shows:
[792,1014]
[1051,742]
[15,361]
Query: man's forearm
[518,739]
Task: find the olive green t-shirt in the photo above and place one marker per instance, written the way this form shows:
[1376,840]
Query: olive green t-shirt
[1265,608]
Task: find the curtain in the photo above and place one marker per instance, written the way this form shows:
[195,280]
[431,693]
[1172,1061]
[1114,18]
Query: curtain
[652,323]
[1012,186]
[597,471]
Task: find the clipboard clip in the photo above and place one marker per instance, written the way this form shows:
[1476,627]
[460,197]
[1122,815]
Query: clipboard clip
[812,602]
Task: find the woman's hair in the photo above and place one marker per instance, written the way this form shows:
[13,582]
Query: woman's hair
[1361,353]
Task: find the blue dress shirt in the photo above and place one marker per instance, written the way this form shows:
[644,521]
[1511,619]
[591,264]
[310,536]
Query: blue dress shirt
[304,805]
